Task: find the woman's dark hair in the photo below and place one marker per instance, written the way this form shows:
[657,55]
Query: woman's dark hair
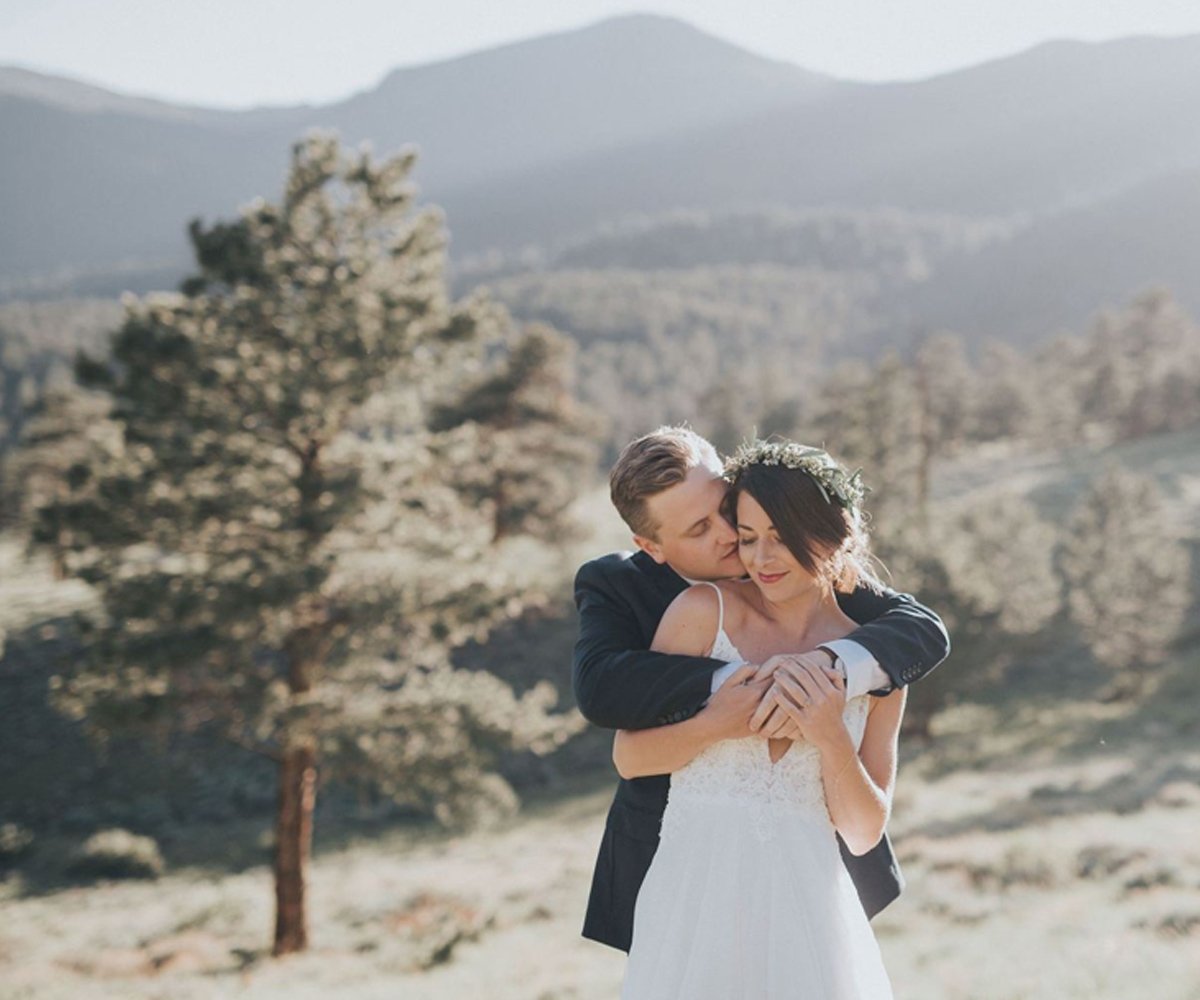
[827,539]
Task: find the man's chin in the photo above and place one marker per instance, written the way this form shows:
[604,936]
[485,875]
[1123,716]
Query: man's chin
[732,569]
[729,568]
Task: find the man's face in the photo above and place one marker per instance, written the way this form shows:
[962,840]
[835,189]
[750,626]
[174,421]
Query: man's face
[693,538]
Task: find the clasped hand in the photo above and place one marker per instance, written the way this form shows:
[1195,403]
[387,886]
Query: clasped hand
[790,696]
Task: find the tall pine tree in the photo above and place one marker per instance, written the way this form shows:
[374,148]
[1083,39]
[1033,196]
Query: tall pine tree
[529,440]
[1126,574]
[278,548]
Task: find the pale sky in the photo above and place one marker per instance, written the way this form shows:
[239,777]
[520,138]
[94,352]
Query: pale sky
[239,53]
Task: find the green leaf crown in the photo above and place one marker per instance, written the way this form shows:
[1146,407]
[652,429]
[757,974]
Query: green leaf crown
[834,482]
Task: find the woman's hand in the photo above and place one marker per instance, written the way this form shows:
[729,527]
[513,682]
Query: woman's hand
[814,697]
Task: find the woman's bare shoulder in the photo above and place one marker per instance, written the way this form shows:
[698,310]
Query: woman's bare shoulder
[690,622]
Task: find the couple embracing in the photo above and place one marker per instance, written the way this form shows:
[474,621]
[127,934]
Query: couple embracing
[755,670]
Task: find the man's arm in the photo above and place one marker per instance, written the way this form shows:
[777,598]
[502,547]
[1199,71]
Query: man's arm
[900,637]
[665,749]
[618,682]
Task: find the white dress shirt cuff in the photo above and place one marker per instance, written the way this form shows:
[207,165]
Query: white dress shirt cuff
[863,672]
[724,673]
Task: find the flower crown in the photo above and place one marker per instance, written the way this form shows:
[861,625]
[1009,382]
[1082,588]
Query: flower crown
[834,482]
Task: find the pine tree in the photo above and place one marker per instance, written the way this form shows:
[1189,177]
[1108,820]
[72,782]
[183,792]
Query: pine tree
[868,418]
[1005,402]
[1060,369]
[530,441]
[944,383]
[990,573]
[63,431]
[1126,575]
[1142,371]
[28,372]
[275,542]
[999,556]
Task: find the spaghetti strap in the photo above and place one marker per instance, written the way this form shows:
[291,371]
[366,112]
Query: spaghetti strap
[720,606]
[722,647]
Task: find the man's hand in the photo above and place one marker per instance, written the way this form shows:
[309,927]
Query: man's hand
[729,710]
[770,719]
[814,657]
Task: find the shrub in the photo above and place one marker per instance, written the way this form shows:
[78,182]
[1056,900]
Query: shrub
[15,841]
[1126,573]
[118,854]
[431,925]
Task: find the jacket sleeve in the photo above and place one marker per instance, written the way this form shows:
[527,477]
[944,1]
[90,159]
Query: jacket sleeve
[618,682]
[905,637]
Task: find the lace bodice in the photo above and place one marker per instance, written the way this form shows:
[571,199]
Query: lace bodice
[740,771]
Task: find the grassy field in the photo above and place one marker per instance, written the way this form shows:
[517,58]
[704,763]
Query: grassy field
[1049,840]
[1050,849]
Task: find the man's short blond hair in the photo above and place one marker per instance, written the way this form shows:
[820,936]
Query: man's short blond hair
[652,463]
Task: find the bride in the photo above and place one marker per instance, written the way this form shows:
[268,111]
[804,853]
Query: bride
[747,896]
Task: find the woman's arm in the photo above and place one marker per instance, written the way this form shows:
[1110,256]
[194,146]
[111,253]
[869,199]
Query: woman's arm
[638,753]
[858,784]
[688,627]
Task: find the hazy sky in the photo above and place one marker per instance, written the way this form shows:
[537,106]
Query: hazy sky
[237,53]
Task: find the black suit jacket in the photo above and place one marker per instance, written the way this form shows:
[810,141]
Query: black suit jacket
[620,684]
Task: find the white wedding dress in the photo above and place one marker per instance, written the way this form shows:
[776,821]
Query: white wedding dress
[747,897]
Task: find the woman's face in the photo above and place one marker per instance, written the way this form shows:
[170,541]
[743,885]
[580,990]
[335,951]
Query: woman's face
[770,563]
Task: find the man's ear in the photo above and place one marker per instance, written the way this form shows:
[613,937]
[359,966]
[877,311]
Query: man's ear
[651,548]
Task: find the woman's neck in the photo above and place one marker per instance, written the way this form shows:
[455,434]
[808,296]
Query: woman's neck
[804,613]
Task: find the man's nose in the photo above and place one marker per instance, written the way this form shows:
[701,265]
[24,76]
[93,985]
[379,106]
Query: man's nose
[727,534]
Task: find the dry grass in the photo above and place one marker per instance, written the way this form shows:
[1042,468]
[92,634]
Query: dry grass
[1029,875]
[1049,842]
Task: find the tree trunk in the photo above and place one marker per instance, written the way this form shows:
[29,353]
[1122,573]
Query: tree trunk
[293,844]
[306,648]
[499,510]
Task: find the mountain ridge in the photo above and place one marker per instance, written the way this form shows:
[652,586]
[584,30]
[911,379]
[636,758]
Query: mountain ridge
[538,141]
[1056,44]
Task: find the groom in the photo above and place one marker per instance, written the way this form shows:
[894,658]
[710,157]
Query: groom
[667,487]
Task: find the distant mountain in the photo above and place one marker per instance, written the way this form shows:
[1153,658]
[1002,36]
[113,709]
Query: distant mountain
[556,98]
[1085,156]
[1055,274]
[82,97]
[74,95]
[1063,124]
[87,176]
[83,190]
